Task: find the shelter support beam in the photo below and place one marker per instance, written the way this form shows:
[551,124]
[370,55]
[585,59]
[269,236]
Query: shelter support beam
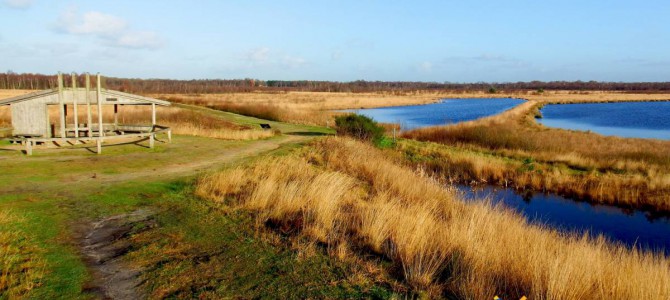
[101,130]
[61,106]
[29,147]
[116,116]
[74,100]
[89,116]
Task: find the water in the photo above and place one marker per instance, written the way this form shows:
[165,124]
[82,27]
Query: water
[630,227]
[444,112]
[625,119]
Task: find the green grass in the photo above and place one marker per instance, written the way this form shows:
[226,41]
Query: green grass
[44,225]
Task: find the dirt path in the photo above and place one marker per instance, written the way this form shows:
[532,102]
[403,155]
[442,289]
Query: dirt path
[90,171]
[102,244]
[198,165]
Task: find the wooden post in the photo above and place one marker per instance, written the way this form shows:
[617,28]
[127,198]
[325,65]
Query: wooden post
[116,116]
[169,135]
[89,117]
[153,123]
[46,116]
[101,131]
[61,105]
[74,100]
[29,147]
[153,114]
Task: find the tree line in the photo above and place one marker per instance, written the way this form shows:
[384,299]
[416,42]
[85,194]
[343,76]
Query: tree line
[30,81]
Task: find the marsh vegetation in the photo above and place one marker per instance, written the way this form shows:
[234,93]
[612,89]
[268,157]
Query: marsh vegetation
[340,217]
[354,200]
[512,150]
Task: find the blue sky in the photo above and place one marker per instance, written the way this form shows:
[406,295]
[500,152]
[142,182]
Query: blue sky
[455,41]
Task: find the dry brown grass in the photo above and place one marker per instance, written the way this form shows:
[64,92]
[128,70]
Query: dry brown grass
[313,100]
[182,121]
[13,93]
[310,108]
[622,171]
[189,122]
[5,116]
[343,192]
[20,272]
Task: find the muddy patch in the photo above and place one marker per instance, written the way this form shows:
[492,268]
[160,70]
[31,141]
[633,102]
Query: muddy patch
[103,244]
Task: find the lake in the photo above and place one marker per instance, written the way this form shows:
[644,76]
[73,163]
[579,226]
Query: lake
[625,119]
[630,227]
[447,111]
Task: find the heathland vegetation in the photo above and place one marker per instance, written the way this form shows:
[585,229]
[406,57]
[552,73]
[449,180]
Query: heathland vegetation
[300,215]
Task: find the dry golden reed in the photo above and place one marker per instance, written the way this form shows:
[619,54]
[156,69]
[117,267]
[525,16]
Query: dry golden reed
[343,192]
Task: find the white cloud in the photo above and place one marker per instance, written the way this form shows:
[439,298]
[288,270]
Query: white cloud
[140,39]
[258,55]
[112,30]
[425,67]
[18,4]
[92,22]
[293,61]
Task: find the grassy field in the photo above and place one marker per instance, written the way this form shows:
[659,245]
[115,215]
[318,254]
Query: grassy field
[196,250]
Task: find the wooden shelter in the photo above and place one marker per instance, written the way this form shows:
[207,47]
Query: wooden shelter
[31,124]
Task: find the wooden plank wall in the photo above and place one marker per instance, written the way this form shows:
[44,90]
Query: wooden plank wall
[29,117]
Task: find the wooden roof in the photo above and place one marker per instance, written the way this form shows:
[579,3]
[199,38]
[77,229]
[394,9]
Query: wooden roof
[105,93]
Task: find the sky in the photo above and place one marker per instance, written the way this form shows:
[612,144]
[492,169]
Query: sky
[438,41]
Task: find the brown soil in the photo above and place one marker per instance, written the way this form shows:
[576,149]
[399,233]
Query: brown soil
[102,244]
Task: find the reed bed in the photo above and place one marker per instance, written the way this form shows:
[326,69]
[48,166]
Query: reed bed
[264,110]
[511,149]
[348,195]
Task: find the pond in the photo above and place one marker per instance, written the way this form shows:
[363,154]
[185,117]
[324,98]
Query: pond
[630,227]
[625,119]
[446,111]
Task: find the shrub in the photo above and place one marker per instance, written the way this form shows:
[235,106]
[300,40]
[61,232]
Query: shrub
[492,90]
[359,127]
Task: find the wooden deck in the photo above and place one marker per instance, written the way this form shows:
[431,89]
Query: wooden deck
[110,132]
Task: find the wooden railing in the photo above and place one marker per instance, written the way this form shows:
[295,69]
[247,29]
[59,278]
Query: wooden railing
[122,131]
